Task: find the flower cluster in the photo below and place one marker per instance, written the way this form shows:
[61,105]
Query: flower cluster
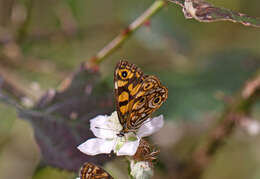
[106,130]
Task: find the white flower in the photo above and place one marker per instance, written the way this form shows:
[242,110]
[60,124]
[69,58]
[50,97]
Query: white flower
[106,128]
[141,170]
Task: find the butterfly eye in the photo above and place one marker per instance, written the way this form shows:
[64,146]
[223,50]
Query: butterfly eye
[157,100]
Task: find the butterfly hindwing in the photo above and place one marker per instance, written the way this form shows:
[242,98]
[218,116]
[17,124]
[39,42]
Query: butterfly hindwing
[91,171]
[148,99]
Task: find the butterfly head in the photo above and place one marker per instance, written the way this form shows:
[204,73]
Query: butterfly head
[121,134]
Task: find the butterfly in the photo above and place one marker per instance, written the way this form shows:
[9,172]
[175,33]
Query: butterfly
[137,96]
[91,171]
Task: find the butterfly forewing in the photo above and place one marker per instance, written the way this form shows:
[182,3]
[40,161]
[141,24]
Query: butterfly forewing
[137,95]
[91,171]
[127,79]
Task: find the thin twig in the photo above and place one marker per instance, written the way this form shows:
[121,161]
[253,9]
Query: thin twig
[93,62]
[125,34]
[9,85]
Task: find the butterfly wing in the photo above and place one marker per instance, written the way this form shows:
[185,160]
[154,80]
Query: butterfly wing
[128,79]
[91,171]
[148,99]
[137,95]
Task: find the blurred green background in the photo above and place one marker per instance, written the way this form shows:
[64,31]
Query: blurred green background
[42,42]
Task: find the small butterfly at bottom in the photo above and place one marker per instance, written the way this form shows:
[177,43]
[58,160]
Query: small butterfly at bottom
[91,171]
[137,96]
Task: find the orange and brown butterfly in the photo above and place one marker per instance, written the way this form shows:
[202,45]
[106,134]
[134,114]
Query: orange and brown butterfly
[146,152]
[91,171]
[137,96]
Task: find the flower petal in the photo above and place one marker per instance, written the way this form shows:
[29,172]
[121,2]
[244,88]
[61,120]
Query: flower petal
[129,148]
[150,127]
[99,127]
[96,146]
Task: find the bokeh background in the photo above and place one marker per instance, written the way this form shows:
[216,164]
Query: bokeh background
[43,42]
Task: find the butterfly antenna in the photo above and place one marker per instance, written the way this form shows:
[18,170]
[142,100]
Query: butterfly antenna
[105,129]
